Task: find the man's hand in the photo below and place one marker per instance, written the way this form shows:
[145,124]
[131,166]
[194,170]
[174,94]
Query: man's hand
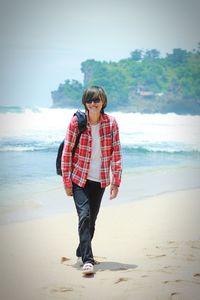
[68,191]
[113,191]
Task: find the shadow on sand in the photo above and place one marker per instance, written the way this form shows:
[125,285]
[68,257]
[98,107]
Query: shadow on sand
[109,265]
[113,266]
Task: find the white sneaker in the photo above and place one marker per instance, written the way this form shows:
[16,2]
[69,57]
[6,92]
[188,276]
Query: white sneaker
[88,269]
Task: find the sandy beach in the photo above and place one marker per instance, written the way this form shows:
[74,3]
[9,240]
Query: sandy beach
[147,249]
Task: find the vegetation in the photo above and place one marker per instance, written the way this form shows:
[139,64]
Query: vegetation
[143,82]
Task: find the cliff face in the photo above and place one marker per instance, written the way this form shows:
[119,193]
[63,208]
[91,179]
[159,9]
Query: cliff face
[164,104]
[149,102]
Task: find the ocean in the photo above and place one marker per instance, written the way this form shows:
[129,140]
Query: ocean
[161,153]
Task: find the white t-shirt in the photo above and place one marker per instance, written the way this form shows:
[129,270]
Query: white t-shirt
[95,162]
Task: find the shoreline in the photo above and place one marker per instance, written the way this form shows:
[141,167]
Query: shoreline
[51,215]
[43,198]
[147,249]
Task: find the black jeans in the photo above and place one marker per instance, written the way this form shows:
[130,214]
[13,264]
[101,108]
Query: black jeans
[87,201]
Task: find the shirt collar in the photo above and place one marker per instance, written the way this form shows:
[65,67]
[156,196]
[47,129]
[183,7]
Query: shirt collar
[102,118]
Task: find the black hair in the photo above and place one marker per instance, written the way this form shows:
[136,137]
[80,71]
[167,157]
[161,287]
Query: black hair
[94,92]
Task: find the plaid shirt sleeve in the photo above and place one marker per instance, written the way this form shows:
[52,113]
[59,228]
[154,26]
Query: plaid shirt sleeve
[70,140]
[116,164]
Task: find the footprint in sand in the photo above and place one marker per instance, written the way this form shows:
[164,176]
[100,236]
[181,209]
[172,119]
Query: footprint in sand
[180,280]
[57,290]
[171,268]
[121,279]
[196,275]
[168,269]
[170,245]
[61,290]
[156,256]
[64,260]
[172,281]
[173,243]
[194,244]
[175,296]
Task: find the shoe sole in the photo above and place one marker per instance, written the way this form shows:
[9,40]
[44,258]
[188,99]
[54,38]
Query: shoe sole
[88,272]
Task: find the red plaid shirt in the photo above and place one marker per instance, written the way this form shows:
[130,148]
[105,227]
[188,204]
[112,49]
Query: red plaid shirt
[76,169]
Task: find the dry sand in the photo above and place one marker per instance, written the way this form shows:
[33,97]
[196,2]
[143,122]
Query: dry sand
[147,249]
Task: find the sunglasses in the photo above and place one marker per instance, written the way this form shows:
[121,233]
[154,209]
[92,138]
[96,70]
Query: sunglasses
[95,100]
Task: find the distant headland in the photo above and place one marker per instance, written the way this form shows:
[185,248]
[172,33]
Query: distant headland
[143,82]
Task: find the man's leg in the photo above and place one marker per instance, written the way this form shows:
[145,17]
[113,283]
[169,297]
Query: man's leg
[95,197]
[81,200]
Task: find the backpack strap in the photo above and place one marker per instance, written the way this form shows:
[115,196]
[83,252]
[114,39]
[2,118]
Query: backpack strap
[82,125]
[82,120]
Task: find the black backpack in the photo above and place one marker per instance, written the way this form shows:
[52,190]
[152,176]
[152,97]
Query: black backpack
[82,125]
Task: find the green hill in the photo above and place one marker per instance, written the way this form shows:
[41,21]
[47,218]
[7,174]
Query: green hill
[143,82]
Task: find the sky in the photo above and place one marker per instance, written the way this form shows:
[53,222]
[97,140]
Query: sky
[43,42]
